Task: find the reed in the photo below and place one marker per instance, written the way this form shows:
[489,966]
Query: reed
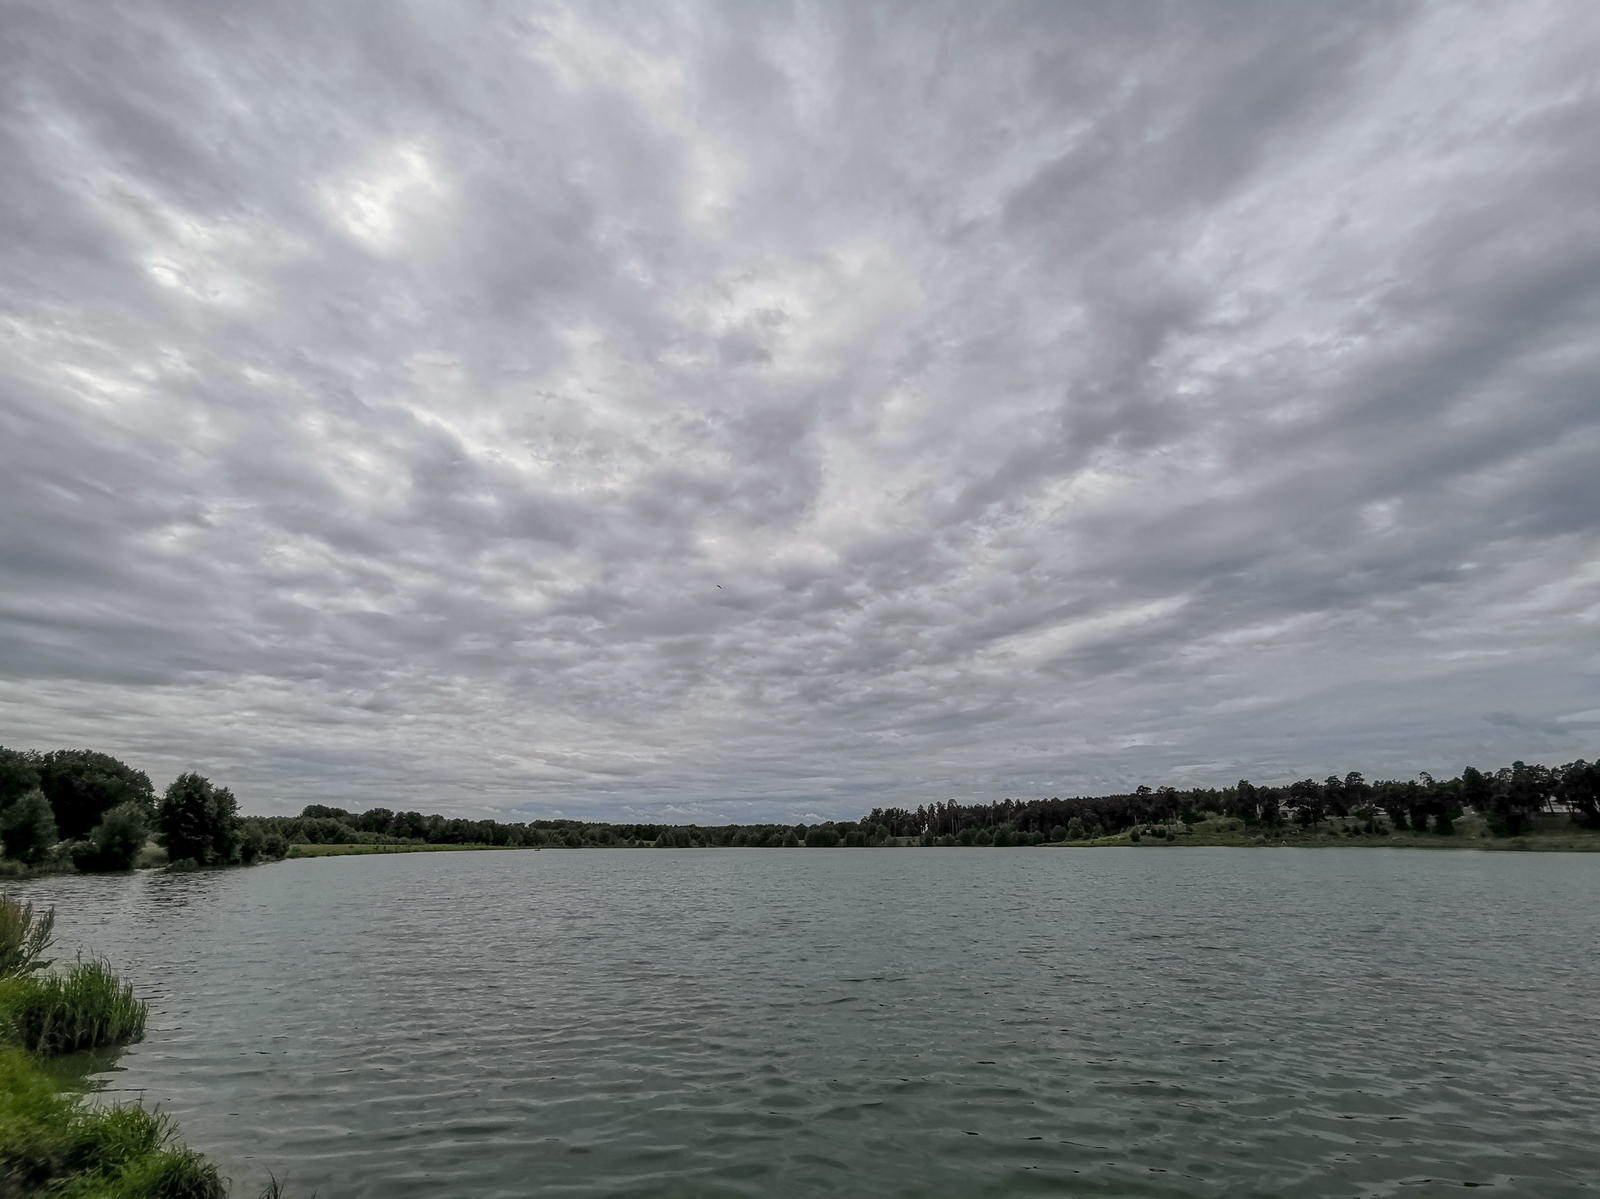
[85,1008]
[275,1187]
[24,936]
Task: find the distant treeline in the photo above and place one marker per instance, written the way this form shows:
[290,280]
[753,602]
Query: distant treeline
[322,825]
[96,812]
[79,808]
[1507,798]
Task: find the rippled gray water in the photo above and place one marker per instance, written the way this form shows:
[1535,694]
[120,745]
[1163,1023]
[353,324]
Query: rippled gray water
[1182,1022]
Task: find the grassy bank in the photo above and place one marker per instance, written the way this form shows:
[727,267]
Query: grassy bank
[53,1141]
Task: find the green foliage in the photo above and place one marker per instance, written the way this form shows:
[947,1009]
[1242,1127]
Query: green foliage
[36,1126]
[28,828]
[161,1174]
[1580,791]
[199,822]
[258,842]
[85,1008]
[52,1141]
[19,774]
[83,785]
[24,937]
[1515,795]
[115,842]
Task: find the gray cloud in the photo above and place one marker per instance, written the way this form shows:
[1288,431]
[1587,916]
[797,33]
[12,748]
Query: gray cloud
[751,410]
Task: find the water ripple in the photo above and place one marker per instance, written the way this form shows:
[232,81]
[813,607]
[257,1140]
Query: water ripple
[904,1023]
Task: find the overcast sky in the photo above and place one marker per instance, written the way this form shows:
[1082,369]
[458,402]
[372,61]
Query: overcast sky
[777,410]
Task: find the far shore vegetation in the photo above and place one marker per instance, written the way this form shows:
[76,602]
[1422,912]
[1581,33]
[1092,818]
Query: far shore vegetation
[1516,807]
[77,810]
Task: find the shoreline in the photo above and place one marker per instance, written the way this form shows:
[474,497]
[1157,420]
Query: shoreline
[1559,836]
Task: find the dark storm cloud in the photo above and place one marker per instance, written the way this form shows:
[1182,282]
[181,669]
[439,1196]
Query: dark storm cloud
[760,409]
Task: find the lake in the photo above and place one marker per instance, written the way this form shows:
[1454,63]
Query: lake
[952,1022]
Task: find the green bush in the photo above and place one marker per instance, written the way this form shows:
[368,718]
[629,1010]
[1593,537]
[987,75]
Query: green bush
[85,1008]
[258,842]
[28,828]
[199,821]
[115,841]
[82,786]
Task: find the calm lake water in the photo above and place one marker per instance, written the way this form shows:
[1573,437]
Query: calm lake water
[1184,1022]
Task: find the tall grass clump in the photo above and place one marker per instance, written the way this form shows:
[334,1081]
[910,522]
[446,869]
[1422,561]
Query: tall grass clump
[24,936]
[51,1142]
[85,1008]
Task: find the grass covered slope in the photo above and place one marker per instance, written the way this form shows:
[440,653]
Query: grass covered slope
[53,1141]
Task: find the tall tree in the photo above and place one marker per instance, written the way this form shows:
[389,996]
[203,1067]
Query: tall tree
[19,774]
[198,822]
[1516,795]
[1580,791]
[83,785]
[27,829]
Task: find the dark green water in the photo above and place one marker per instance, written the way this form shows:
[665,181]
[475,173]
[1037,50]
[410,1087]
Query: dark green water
[1182,1022]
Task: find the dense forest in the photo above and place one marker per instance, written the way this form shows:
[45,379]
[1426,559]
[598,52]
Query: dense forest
[1508,799]
[98,813]
[78,808]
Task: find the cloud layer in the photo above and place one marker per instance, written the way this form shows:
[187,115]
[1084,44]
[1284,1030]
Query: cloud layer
[759,410]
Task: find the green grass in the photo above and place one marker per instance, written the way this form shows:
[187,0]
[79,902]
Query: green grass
[52,1142]
[85,1008]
